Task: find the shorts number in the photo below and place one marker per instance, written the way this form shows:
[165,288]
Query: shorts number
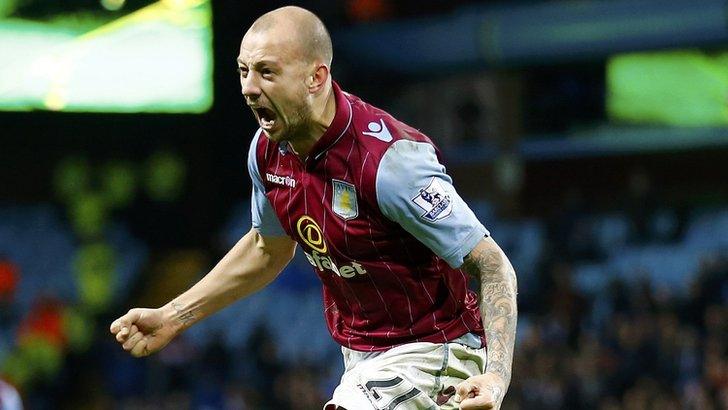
[386,388]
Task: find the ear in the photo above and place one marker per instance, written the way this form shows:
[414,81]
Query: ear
[318,79]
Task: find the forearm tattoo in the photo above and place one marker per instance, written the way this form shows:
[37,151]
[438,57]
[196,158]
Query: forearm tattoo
[184,318]
[498,288]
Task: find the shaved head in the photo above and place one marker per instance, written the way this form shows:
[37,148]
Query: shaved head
[285,76]
[305,30]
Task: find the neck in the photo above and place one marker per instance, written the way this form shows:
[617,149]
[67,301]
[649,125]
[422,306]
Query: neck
[323,116]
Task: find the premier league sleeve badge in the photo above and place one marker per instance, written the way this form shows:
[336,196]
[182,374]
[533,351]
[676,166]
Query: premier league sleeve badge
[434,200]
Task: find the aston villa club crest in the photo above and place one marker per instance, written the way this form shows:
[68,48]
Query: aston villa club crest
[344,200]
[434,200]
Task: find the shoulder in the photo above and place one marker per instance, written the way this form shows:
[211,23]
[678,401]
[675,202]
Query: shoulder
[378,131]
[406,163]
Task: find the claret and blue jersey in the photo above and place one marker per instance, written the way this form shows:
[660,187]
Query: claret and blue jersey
[379,222]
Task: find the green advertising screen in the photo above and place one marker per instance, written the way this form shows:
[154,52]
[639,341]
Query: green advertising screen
[106,56]
[678,88]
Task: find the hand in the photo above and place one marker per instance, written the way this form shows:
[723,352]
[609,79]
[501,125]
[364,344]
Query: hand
[143,331]
[481,392]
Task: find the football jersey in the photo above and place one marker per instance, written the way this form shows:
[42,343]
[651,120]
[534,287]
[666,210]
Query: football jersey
[380,223]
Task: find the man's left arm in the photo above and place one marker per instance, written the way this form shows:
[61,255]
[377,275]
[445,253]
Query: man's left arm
[498,289]
[414,190]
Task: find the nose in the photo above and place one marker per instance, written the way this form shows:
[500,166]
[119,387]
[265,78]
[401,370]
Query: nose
[250,87]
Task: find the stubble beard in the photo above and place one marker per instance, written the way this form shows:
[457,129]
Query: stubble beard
[299,124]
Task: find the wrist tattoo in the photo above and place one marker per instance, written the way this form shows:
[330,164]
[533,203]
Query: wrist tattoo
[183,317]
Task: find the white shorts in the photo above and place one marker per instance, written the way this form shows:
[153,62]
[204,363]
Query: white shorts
[413,376]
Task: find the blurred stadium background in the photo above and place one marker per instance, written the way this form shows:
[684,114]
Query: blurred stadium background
[590,137]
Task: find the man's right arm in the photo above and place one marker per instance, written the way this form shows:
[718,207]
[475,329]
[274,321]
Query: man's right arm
[249,266]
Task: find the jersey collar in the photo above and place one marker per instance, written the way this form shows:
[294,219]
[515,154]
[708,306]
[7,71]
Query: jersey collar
[337,129]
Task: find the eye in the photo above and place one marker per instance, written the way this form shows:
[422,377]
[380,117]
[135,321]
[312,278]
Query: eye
[267,73]
[243,72]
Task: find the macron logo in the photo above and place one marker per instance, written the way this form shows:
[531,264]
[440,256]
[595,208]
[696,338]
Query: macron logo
[379,131]
[277,179]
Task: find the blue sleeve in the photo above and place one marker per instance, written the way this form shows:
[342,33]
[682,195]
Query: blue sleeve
[414,191]
[262,214]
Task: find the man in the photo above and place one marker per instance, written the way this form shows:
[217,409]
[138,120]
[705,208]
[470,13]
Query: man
[366,198]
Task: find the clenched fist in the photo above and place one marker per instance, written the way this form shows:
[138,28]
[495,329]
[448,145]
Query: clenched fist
[482,392]
[144,331]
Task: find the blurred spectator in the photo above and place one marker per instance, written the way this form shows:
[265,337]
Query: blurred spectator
[41,341]
[71,177]
[89,214]
[94,272]
[165,175]
[468,113]
[367,10]
[570,230]
[565,305]
[9,278]
[44,321]
[298,388]
[118,183]
[262,353]
[641,205]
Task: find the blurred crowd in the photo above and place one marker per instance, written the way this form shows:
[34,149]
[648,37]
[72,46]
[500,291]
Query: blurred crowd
[637,347]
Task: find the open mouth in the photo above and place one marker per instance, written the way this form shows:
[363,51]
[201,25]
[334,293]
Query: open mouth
[266,117]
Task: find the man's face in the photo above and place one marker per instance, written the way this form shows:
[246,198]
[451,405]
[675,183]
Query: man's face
[273,80]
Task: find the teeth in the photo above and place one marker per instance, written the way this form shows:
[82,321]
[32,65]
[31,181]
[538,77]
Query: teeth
[265,115]
[266,123]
